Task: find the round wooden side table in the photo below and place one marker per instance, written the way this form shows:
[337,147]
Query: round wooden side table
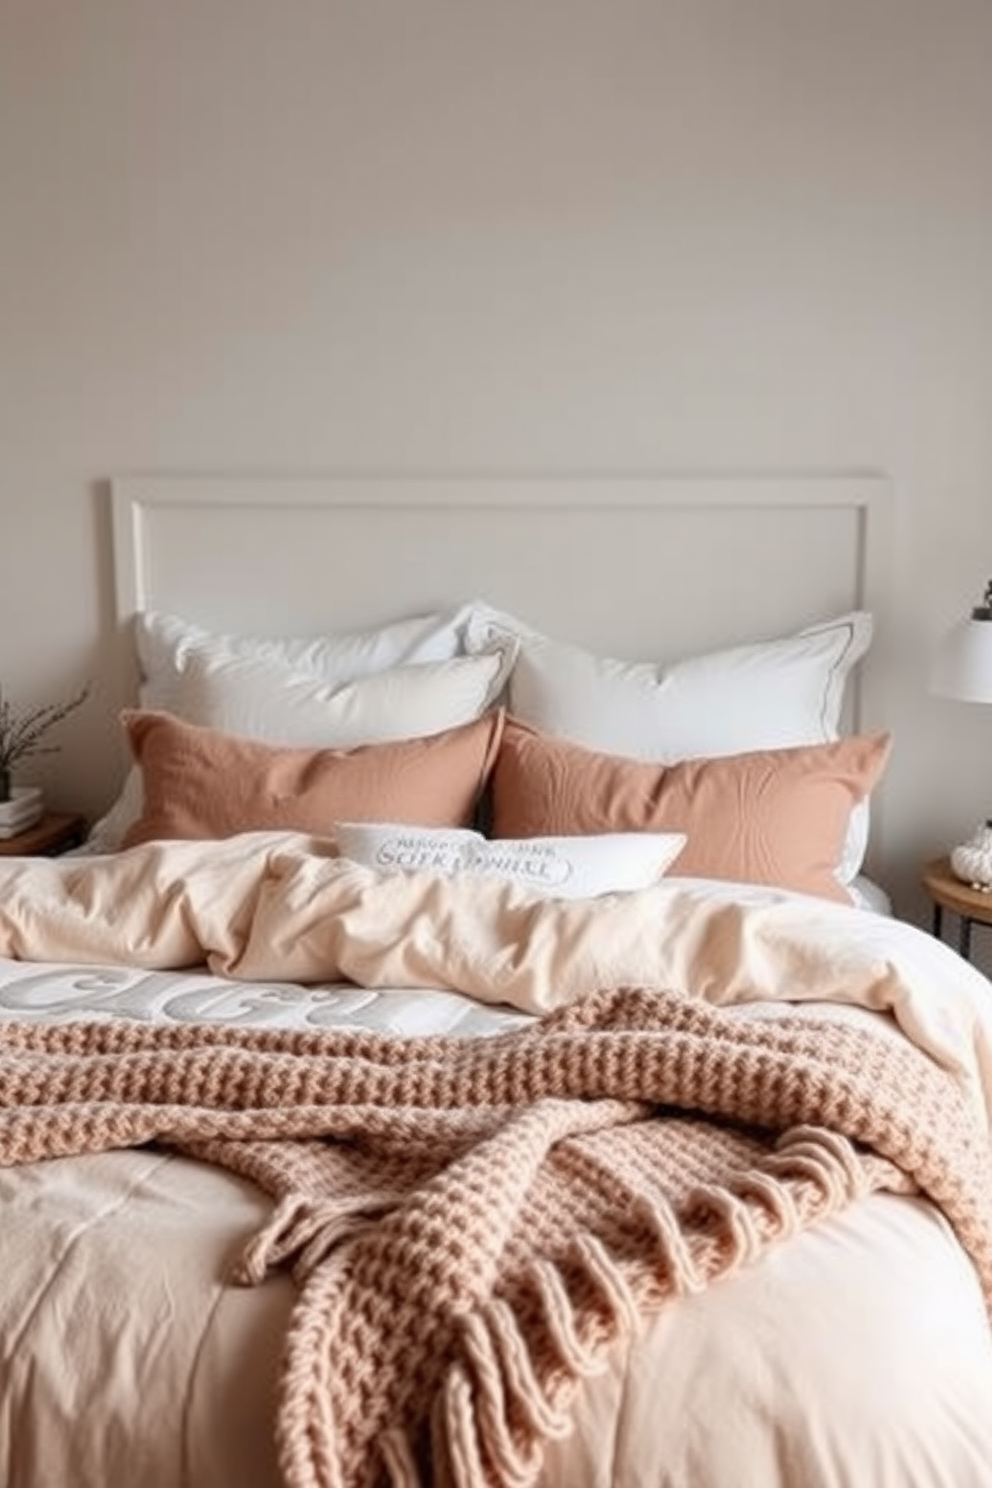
[948,892]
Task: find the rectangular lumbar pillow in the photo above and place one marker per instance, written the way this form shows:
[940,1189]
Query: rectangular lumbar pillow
[765,694]
[203,783]
[767,816]
[562,867]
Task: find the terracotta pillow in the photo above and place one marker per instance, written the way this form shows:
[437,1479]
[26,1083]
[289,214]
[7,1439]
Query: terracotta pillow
[775,816]
[200,782]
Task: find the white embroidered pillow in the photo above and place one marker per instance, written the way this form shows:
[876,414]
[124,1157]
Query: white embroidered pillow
[560,867]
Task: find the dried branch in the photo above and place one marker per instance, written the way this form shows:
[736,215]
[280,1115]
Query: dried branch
[21,733]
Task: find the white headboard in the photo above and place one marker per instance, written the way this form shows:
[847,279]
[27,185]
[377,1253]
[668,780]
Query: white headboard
[642,566]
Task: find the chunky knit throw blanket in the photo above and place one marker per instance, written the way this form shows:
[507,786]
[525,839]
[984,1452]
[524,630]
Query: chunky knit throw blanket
[473,1223]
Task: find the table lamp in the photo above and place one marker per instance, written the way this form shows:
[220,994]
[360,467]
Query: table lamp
[962,670]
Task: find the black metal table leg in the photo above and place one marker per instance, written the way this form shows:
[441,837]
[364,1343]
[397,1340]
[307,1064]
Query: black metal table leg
[964,937]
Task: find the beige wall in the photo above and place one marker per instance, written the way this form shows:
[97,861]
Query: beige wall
[501,235]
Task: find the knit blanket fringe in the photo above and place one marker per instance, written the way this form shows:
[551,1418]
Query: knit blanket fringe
[474,1225]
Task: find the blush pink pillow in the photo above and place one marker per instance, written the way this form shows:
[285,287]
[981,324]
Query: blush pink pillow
[200,782]
[775,816]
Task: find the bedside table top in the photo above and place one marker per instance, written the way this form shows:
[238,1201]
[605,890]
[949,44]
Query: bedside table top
[945,888]
[56,832]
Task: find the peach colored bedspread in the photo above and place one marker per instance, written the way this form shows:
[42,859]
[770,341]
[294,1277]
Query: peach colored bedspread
[857,1352]
[284,906]
[129,1359]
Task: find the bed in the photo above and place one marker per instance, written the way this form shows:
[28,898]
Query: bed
[473,1048]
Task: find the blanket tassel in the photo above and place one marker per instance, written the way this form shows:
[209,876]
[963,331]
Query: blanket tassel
[495,1383]
[302,1227]
[398,1459]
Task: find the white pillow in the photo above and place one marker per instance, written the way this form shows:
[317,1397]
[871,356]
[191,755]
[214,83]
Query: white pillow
[561,867]
[165,642]
[406,679]
[766,695]
[264,699]
[107,834]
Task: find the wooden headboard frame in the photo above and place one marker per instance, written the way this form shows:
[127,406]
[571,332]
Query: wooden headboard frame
[636,566]
[647,566]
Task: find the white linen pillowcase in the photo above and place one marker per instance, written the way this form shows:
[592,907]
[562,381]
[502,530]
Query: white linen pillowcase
[263,699]
[164,643]
[765,695]
[559,867]
[773,694]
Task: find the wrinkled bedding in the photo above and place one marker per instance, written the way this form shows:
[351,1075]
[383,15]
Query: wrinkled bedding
[129,1358]
[117,1310]
[283,907]
[857,1351]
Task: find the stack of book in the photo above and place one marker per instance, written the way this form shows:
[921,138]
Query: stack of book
[22,810]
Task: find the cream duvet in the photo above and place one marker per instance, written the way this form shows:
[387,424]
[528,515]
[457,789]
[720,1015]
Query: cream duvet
[698,1193]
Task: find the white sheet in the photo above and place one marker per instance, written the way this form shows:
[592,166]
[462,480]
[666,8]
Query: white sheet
[53,992]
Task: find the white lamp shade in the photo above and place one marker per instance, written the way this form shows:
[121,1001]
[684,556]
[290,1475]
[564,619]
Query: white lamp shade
[963,664]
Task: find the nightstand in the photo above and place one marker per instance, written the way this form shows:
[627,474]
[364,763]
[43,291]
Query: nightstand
[947,891]
[55,833]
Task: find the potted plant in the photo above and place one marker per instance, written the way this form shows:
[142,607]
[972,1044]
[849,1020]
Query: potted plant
[22,732]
